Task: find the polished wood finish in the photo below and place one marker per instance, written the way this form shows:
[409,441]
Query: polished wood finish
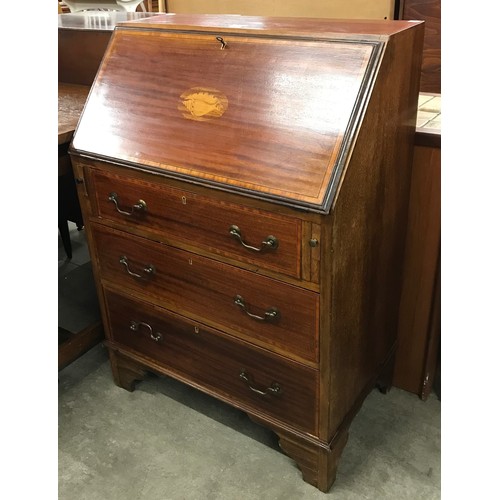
[324,162]
[204,289]
[430,12]
[280,101]
[185,216]
[419,330]
[277,26]
[206,358]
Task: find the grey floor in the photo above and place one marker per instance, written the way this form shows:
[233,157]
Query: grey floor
[166,441]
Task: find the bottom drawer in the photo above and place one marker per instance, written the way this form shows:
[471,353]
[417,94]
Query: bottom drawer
[245,375]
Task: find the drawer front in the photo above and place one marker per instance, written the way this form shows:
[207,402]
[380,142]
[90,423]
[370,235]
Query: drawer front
[242,233]
[269,313]
[223,366]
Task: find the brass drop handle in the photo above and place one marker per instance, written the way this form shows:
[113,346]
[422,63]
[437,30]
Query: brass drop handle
[274,389]
[149,269]
[272,314]
[134,326]
[270,243]
[140,206]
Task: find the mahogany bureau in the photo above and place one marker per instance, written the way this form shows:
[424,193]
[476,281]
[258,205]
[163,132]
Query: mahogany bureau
[244,182]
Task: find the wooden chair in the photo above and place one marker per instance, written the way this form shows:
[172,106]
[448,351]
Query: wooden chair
[154,6]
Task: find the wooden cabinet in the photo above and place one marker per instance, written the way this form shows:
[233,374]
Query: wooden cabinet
[430,12]
[245,191]
[419,333]
[419,336]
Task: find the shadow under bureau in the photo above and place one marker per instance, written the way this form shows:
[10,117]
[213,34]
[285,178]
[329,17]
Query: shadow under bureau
[245,182]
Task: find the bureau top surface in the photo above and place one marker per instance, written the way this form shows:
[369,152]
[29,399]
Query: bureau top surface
[268,115]
[272,25]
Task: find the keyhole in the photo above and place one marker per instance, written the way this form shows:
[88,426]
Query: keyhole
[184,200]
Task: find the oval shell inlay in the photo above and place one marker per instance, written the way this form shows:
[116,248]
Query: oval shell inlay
[202,104]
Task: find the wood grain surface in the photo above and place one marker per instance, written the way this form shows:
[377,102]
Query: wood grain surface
[430,12]
[298,26]
[205,289]
[71,99]
[283,135]
[214,362]
[200,221]
[415,365]
[257,113]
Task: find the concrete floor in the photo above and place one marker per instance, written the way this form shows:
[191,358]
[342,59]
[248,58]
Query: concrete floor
[166,441]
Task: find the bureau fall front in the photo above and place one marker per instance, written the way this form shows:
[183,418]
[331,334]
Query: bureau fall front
[244,182]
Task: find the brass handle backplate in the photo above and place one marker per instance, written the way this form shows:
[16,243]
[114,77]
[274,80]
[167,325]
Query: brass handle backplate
[148,269]
[139,207]
[272,314]
[134,326]
[274,389]
[270,243]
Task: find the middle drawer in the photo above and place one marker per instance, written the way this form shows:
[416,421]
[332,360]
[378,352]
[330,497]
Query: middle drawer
[261,310]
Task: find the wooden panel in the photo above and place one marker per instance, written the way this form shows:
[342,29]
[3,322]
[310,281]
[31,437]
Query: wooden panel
[269,116]
[204,289]
[354,9]
[80,54]
[199,221]
[430,12]
[82,40]
[413,368]
[191,350]
[369,229]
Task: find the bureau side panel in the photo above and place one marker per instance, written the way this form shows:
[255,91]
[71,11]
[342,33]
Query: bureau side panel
[368,234]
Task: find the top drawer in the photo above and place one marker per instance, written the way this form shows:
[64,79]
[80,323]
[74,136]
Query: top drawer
[246,234]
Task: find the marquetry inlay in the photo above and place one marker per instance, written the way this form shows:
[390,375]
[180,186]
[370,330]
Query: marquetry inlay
[203,104]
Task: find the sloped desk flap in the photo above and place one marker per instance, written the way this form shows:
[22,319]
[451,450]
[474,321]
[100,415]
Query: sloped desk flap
[271,116]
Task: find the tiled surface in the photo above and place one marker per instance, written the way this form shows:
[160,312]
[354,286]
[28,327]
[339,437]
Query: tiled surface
[429,112]
[77,299]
